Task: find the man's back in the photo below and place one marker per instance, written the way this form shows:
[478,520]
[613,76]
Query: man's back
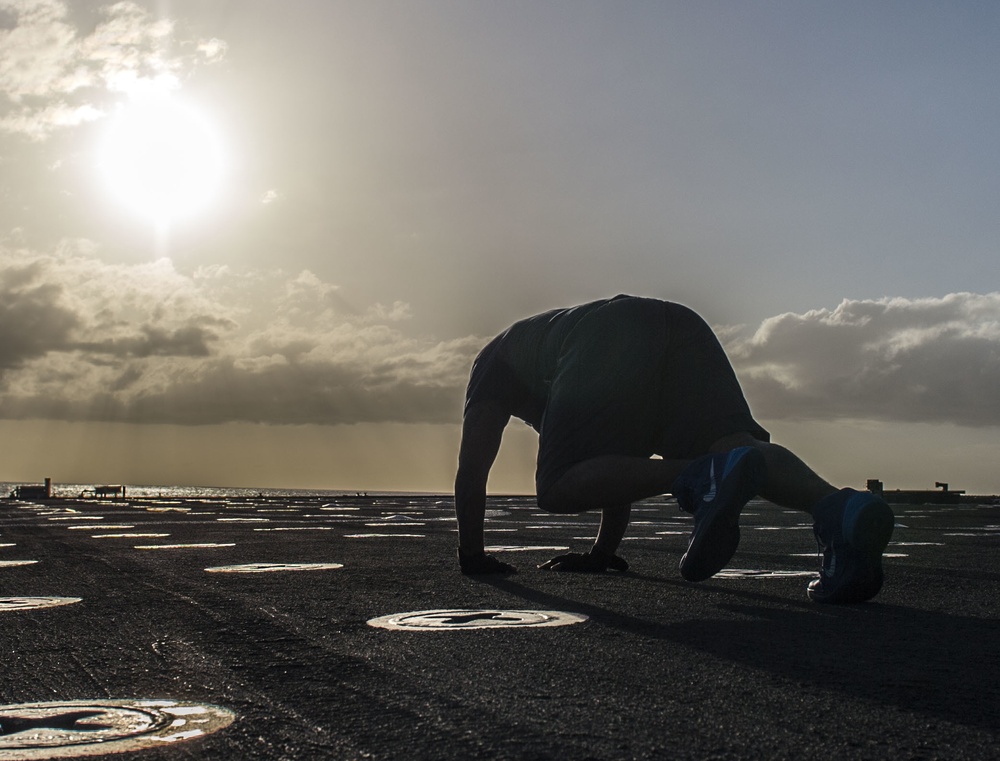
[516,367]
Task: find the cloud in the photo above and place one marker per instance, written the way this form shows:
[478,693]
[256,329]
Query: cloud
[213,50]
[32,322]
[52,76]
[87,340]
[149,341]
[81,339]
[930,360]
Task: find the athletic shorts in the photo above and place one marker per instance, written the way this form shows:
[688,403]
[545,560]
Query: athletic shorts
[639,377]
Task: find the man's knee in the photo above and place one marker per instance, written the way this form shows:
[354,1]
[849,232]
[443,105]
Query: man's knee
[548,499]
[734,440]
[552,498]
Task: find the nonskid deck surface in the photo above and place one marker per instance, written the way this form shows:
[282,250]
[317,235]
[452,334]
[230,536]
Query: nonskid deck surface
[247,622]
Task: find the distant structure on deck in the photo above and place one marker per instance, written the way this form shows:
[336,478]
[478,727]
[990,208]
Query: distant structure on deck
[103,492]
[33,491]
[941,495]
[44,491]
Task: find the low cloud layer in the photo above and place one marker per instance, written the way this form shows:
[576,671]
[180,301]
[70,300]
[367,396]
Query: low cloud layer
[81,339]
[85,340]
[930,360]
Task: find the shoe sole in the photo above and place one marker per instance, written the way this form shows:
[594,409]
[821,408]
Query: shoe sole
[871,528]
[867,533]
[717,535]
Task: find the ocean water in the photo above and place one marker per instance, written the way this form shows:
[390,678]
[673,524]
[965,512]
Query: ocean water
[201,492]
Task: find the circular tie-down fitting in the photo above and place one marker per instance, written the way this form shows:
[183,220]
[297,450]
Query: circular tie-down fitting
[75,728]
[274,567]
[464,619]
[759,573]
[33,603]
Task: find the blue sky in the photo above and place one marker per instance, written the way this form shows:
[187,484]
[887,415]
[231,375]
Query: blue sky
[400,180]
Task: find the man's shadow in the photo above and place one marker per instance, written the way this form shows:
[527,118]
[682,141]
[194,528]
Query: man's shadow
[938,664]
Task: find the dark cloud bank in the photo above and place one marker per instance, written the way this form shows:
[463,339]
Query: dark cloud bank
[84,340]
[80,340]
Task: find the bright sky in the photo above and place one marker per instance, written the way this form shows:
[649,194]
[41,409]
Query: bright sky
[258,244]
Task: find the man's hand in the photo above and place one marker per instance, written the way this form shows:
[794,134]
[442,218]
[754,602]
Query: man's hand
[594,561]
[482,564]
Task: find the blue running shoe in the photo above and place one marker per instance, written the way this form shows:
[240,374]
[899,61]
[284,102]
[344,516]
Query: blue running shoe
[852,528]
[715,488]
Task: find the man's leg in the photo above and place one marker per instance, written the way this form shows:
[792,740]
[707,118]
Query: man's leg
[609,483]
[852,527]
[714,488]
[617,479]
[784,479]
[609,480]
[790,482]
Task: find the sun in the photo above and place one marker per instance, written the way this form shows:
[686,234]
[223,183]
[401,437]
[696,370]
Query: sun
[162,159]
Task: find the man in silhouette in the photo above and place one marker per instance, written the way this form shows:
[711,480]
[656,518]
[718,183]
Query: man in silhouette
[609,384]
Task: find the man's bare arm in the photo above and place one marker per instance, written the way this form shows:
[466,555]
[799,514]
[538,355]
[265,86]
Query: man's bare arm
[482,431]
[614,523]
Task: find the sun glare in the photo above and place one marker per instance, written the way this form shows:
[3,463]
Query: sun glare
[162,159]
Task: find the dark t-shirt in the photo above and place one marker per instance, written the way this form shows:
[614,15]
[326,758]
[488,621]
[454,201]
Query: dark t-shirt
[516,368]
[624,376]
